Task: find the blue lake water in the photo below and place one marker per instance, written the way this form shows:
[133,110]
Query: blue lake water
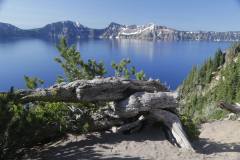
[168,61]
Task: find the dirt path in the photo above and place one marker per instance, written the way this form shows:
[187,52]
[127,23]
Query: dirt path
[219,140]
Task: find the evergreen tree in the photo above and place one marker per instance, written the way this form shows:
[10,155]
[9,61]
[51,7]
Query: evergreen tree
[74,66]
[218,59]
[123,70]
[33,82]
[199,91]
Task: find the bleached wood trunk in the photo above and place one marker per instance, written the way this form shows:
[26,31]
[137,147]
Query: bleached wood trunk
[144,101]
[174,124]
[132,98]
[99,89]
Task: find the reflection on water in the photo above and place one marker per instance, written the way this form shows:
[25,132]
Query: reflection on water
[147,48]
[168,61]
[123,46]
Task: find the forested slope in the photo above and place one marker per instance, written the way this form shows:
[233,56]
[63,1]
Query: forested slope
[217,79]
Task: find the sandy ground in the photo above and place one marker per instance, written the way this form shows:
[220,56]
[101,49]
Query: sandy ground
[219,140]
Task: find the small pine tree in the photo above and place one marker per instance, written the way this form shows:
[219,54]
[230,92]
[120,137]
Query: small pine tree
[217,60]
[122,70]
[74,66]
[33,82]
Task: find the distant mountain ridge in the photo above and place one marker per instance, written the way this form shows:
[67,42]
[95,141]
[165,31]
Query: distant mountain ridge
[75,30]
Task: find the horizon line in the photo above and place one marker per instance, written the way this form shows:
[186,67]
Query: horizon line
[115,23]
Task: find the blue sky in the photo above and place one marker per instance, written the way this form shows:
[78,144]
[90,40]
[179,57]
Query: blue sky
[217,15]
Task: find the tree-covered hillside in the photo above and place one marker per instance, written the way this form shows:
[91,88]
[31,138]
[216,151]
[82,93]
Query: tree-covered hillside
[217,79]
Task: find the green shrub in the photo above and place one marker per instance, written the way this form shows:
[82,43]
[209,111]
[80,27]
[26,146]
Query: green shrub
[191,127]
[40,122]
[122,70]
[33,82]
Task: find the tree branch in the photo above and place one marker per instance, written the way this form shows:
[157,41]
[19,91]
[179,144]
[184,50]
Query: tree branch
[229,107]
[99,89]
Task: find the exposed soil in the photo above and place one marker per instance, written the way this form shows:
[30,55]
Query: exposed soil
[219,140]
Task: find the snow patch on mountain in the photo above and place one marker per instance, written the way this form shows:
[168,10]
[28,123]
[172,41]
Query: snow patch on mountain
[78,24]
[135,30]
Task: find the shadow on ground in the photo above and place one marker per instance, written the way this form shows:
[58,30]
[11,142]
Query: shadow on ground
[85,149]
[206,146]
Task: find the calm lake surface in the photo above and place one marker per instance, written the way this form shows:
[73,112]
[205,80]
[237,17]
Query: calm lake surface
[168,61]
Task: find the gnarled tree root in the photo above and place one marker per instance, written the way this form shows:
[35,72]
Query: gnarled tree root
[173,123]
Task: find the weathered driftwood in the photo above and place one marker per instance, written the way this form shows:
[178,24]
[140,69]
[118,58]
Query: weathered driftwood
[153,104]
[129,126]
[143,102]
[230,107]
[131,99]
[99,89]
[174,124]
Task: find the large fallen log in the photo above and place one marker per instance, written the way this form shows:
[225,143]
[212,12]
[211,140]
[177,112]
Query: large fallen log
[229,107]
[134,101]
[99,89]
[143,102]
